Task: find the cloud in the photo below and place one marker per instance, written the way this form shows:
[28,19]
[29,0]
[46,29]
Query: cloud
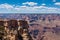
[30,3]
[7,8]
[43,4]
[54,0]
[57,3]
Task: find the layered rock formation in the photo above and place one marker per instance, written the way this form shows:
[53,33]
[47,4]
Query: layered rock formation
[15,30]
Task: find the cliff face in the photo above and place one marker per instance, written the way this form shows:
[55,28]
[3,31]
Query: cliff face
[15,30]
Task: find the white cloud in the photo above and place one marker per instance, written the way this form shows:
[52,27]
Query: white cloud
[30,3]
[7,8]
[54,0]
[43,4]
[57,3]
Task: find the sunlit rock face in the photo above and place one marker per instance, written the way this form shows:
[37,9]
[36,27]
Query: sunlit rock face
[15,30]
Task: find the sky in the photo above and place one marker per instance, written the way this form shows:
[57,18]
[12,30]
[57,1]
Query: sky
[29,6]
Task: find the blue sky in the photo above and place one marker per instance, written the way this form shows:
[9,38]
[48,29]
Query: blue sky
[19,2]
[29,6]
